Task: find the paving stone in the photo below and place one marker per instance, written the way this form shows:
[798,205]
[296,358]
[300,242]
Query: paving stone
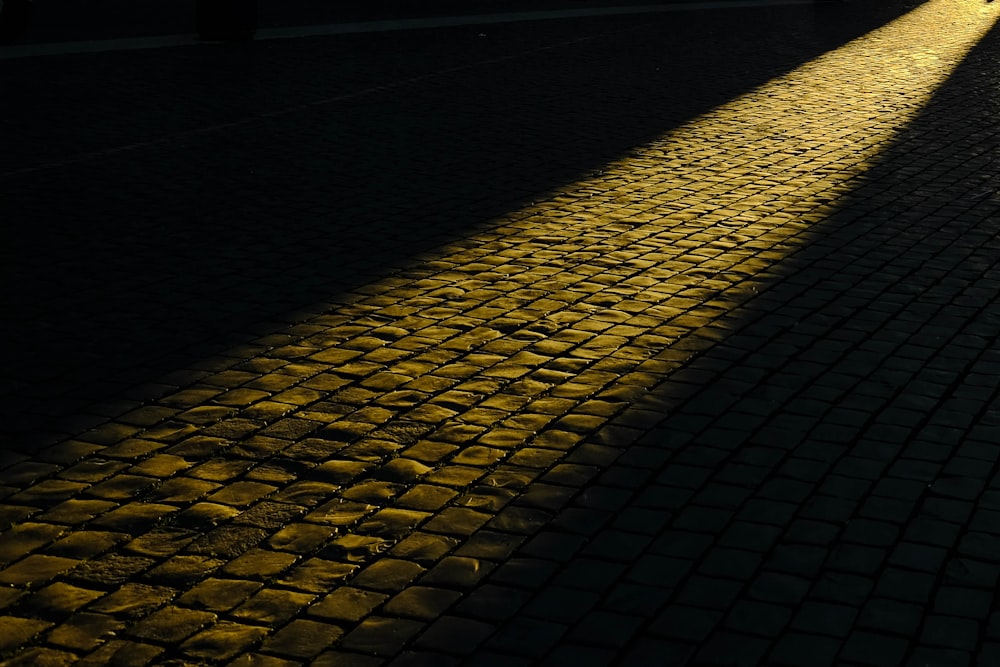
[273,606]
[451,634]
[379,636]
[825,619]
[218,595]
[24,538]
[302,639]
[349,604]
[458,572]
[220,469]
[227,541]
[36,570]
[134,518]
[85,631]
[47,493]
[734,649]
[43,656]
[120,652]
[171,624]
[203,516]
[19,630]
[424,548]
[133,600]
[872,649]
[341,659]
[9,597]
[801,649]
[58,599]
[950,632]
[392,523]
[421,602]
[301,538]
[222,641]
[527,638]
[181,571]
[241,494]
[387,575]
[316,575]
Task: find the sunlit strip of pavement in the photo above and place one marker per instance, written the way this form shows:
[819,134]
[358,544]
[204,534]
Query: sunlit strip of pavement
[505,354]
[332,29]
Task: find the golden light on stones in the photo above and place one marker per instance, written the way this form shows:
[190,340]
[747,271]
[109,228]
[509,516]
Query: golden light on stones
[429,403]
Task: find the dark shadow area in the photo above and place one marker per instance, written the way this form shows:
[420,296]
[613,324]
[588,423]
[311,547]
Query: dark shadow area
[818,488]
[72,20]
[338,159]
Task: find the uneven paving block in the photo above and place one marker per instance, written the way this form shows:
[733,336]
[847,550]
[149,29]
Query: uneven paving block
[260,660]
[421,602]
[387,575]
[58,599]
[453,475]
[222,641]
[301,537]
[36,570]
[45,656]
[218,595]
[171,624]
[426,497]
[241,494]
[121,652]
[47,493]
[424,548]
[160,542]
[273,606]
[182,570]
[134,518]
[305,493]
[317,575]
[456,521]
[220,469]
[825,619]
[22,539]
[227,541]
[203,516]
[259,563]
[160,465]
[17,631]
[348,604]
[269,515]
[91,470]
[458,572]
[379,636]
[392,523]
[302,639]
[85,631]
[874,649]
[451,634]
[373,492]
[490,544]
[529,638]
[133,600]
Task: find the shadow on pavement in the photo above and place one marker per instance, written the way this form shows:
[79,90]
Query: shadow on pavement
[825,471]
[222,189]
[68,20]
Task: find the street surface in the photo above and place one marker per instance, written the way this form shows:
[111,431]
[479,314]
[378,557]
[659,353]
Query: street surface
[667,339]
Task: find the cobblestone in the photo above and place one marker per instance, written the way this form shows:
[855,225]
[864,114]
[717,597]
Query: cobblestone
[585,346]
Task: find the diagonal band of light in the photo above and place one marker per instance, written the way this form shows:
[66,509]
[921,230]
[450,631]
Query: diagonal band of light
[447,394]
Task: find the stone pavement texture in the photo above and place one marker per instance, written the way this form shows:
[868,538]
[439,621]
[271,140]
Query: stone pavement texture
[667,340]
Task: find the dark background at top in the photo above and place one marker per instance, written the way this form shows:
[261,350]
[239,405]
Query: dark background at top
[73,20]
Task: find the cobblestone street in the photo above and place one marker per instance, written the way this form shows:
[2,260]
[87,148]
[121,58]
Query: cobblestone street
[668,339]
